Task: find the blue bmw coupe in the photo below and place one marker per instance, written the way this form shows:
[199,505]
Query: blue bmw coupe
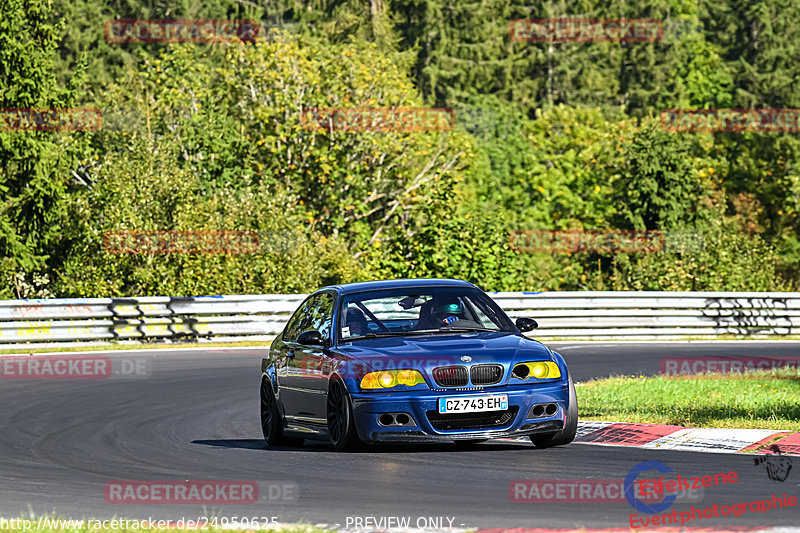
[422,360]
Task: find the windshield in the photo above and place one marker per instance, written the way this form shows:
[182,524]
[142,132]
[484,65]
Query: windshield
[419,310]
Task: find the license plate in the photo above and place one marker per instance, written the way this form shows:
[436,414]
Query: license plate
[473,404]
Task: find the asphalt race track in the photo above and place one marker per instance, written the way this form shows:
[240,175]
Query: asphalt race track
[195,417]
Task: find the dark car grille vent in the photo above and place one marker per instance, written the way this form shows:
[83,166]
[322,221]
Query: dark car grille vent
[486,374]
[464,421]
[450,376]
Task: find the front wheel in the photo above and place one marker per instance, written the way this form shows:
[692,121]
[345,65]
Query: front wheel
[271,421]
[566,435]
[341,425]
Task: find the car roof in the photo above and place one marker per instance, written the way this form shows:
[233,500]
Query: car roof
[349,288]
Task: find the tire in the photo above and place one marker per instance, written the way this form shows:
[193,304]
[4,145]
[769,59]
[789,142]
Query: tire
[341,425]
[271,421]
[566,435]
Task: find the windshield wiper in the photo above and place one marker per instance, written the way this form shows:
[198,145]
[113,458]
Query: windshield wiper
[380,334]
[377,334]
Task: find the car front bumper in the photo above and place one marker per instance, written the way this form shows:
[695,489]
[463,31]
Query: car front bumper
[422,406]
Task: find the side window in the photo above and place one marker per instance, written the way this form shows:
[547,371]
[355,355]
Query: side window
[322,315]
[300,320]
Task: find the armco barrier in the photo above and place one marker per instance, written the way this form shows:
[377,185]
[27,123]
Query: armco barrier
[653,314]
[577,315]
[146,319]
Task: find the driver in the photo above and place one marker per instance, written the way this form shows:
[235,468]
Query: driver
[441,310]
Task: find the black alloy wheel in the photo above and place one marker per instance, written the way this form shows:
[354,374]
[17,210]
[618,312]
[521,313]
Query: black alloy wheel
[341,426]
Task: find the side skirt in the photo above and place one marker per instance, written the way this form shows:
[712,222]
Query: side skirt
[306,427]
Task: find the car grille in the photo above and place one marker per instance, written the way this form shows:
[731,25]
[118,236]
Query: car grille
[463,421]
[486,374]
[450,376]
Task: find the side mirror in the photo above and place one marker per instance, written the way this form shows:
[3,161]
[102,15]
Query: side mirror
[311,337]
[526,324]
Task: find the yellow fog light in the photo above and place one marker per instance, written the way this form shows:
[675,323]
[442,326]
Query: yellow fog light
[391,378]
[536,369]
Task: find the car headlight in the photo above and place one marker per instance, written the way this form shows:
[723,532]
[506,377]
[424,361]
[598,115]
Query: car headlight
[536,369]
[386,379]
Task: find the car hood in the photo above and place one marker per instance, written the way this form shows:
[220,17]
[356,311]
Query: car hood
[445,349]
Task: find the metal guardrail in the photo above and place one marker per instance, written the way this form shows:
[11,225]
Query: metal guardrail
[654,314]
[221,318]
[576,315]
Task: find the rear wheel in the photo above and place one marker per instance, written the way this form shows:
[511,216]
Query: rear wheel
[271,421]
[566,435]
[341,425]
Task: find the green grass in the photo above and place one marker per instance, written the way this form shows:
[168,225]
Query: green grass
[765,399]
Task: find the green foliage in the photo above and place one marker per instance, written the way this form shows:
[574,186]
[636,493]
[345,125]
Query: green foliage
[547,136]
[725,255]
[660,186]
[224,148]
[567,179]
[34,165]
[83,23]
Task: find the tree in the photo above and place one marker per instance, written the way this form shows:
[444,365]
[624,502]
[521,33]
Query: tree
[660,186]
[35,165]
[225,144]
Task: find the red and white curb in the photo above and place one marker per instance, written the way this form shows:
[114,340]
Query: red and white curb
[708,440]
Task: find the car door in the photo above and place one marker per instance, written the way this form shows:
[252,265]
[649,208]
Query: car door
[289,360]
[313,362]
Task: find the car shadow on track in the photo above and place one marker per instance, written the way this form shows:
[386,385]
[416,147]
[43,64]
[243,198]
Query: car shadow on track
[248,444]
[319,446]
